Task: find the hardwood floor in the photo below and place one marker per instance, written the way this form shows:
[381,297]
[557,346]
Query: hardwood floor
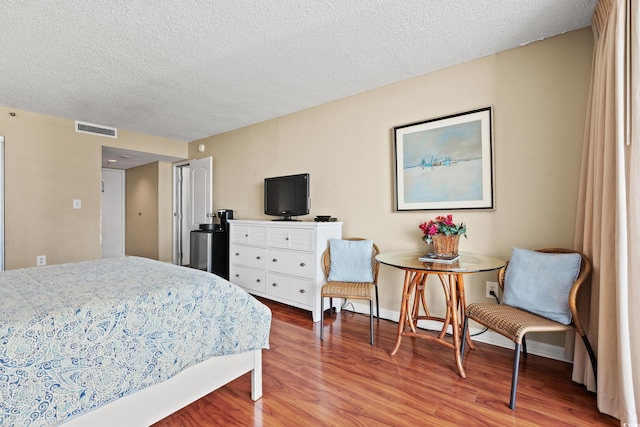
[343,381]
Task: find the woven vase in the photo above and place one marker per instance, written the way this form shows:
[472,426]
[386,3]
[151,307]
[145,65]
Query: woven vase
[445,245]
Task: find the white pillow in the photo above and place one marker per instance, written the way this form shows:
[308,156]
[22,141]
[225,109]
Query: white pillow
[350,260]
[540,282]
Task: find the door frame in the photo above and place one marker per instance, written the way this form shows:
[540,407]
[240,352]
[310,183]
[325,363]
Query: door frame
[177,210]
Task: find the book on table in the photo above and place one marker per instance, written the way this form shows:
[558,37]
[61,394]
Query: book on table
[434,257]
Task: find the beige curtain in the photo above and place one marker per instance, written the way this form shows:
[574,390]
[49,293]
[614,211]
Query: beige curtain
[608,219]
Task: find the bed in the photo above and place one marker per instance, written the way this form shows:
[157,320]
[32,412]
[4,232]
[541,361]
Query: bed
[127,340]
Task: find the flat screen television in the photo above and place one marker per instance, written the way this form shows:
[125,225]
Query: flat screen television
[287,196]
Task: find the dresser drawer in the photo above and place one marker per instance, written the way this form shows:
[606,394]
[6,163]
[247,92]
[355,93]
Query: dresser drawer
[248,278]
[291,262]
[253,235]
[287,238]
[249,256]
[290,288]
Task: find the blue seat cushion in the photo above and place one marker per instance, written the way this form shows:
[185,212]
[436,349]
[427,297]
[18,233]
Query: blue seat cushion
[540,282]
[350,260]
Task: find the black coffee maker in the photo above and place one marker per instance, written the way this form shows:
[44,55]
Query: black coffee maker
[224,215]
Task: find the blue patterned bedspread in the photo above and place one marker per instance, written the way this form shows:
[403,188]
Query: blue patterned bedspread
[76,336]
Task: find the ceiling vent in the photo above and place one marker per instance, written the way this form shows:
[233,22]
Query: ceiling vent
[94,129]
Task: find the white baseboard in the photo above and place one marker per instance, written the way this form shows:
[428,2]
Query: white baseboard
[488,337]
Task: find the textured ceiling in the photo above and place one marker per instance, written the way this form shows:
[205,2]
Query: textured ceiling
[187,69]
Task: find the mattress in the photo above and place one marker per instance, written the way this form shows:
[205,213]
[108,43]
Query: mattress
[76,336]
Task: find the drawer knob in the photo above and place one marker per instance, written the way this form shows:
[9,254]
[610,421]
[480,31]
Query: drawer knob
[237,253]
[302,291]
[274,284]
[302,264]
[275,260]
[237,275]
[258,257]
[257,280]
[286,238]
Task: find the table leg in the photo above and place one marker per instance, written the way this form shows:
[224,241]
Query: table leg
[453,285]
[420,296]
[463,307]
[446,284]
[452,305]
[404,309]
[416,287]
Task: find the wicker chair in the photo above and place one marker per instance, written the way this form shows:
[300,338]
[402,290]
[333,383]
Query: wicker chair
[350,290]
[514,323]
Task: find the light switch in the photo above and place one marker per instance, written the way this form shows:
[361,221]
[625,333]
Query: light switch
[77,203]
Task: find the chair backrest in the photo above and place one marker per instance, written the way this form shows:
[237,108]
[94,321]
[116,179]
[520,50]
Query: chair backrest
[375,265]
[583,277]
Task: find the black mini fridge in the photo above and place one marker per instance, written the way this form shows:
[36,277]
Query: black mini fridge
[210,251]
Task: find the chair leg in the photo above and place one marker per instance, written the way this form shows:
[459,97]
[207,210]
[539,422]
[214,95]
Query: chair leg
[463,339]
[371,320]
[321,318]
[592,357]
[377,304]
[524,346]
[514,377]
[330,306]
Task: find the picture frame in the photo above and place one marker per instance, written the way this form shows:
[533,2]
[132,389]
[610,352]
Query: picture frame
[445,163]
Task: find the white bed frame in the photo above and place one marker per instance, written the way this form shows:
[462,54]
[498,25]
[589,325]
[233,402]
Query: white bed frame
[156,402]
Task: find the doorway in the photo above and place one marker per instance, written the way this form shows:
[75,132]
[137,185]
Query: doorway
[192,204]
[120,160]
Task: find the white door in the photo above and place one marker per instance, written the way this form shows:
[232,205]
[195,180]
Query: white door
[201,209]
[113,213]
[1,203]
[192,199]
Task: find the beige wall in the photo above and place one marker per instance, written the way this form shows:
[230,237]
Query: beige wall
[48,165]
[142,211]
[149,212]
[165,212]
[539,95]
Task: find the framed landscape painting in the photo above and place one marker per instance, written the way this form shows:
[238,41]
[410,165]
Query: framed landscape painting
[445,163]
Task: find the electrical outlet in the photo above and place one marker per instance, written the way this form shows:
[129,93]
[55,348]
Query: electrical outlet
[492,286]
[41,260]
